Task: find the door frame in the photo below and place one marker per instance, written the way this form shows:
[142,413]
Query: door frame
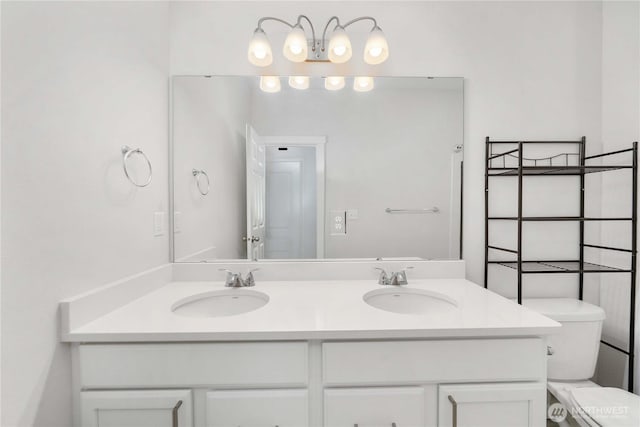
[319,143]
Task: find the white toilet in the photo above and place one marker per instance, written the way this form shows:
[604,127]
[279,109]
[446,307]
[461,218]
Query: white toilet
[573,354]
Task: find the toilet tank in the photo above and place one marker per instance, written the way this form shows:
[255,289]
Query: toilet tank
[575,347]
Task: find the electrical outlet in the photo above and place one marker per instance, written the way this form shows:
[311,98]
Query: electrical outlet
[338,223]
[158,224]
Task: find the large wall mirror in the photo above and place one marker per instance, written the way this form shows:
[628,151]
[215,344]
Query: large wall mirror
[316,173]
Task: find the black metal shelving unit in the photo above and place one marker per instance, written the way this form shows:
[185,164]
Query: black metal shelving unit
[561,164]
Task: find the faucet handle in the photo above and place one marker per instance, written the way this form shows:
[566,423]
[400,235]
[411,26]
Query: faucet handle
[383,279]
[400,278]
[250,280]
[233,280]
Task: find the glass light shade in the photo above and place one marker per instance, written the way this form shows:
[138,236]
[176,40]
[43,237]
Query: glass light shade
[270,84]
[334,83]
[260,49]
[295,46]
[363,84]
[339,46]
[376,51]
[299,82]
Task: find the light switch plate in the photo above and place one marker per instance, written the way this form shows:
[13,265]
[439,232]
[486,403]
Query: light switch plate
[158,224]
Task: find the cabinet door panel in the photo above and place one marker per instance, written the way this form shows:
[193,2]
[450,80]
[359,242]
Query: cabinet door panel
[257,408]
[136,408]
[492,405]
[379,407]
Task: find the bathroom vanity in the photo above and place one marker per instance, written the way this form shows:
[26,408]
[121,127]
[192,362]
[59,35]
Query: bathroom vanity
[318,353]
[314,343]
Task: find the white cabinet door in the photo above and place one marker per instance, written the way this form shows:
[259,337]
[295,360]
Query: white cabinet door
[137,408]
[492,405]
[379,407]
[257,408]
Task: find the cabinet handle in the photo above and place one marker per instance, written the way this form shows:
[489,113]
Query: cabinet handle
[174,413]
[454,411]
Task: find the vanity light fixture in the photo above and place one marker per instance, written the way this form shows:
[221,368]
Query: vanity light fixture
[376,51]
[270,84]
[339,46]
[334,83]
[297,46]
[260,49]
[299,82]
[363,84]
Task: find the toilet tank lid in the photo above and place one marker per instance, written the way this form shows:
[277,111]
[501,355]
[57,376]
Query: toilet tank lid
[565,309]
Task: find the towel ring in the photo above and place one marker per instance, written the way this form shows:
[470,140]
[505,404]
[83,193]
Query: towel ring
[196,173]
[126,153]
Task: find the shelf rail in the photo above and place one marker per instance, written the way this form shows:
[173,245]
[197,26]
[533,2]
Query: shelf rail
[579,266]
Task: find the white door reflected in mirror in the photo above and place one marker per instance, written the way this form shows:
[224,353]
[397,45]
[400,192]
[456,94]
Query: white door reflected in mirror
[256,194]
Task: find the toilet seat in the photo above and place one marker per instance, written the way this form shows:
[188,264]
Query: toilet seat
[607,406]
[594,406]
[562,392]
[579,414]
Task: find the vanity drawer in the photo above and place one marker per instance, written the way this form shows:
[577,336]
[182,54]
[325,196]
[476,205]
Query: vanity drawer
[431,361]
[282,408]
[282,364]
[402,406]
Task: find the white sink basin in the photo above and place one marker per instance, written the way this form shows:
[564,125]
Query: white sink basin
[220,303]
[410,301]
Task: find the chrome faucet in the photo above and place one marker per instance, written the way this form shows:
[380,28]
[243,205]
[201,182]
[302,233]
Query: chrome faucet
[394,279]
[235,280]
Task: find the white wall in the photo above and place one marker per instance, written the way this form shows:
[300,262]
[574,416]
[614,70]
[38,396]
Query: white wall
[209,119]
[532,69]
[620,127]
[79,80]
[388,148]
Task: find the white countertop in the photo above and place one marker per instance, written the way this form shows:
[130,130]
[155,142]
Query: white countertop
[304,310]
